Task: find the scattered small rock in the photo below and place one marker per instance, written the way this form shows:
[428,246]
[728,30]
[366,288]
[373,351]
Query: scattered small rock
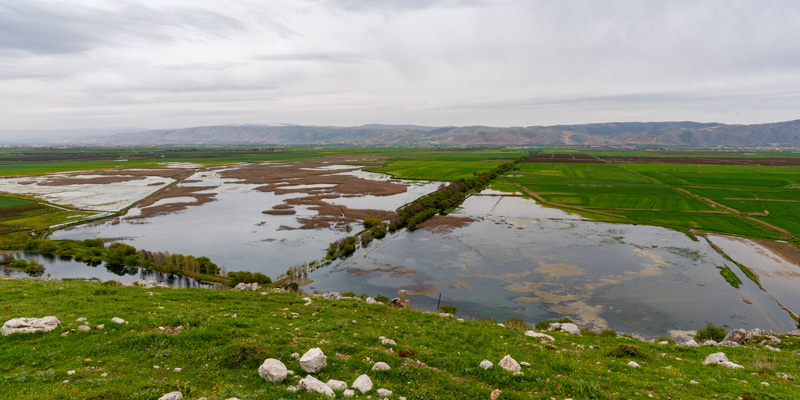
[486,364]
[100,327]
[119,321]
[495,394]
[770,348]
[634,364]
[690,343]
[389,342]
[84,328]
[384,392]
[81,319]
[348,393]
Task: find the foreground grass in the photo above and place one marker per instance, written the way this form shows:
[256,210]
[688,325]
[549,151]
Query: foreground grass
[228,334]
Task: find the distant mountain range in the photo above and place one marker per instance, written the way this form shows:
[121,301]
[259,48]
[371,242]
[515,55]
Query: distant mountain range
[688,134]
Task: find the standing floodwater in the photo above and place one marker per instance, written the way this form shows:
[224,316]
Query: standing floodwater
[511,262]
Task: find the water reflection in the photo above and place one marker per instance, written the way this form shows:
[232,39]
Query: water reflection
[514,263]
[65,267]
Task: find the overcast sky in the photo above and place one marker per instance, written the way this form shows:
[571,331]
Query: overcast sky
[169,64]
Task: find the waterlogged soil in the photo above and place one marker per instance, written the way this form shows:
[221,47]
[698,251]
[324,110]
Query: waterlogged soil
[262,217]
[105,190]
[511,262]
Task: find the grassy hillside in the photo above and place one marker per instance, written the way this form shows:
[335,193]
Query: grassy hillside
[226,335]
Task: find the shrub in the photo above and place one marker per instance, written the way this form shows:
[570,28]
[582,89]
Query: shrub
[515,323]
[488,321]
[628,350]
[664,339]
[382,299]
[243,354]
[448,309]
[711,332]
[608,333]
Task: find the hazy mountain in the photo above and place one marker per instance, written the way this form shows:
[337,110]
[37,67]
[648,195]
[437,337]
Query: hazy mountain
[690,134]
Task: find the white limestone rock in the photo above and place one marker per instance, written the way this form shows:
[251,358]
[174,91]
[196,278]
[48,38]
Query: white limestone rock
[381,366]
[634,364]
[172,396]
[272,370]
[721,359]
[538,335]
[690,343]
[120,321]
[337,386]
[384,392]
[311,384]
[363,383]
[486,364]
[566,327]
[348,393]
[84,328]
[510,364]
[29,325]
[313,361]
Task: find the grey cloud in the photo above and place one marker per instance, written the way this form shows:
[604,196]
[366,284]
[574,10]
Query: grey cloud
[397,5]
[335,57]
[39,28]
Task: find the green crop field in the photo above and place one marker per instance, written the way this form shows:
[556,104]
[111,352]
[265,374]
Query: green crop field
[679,196]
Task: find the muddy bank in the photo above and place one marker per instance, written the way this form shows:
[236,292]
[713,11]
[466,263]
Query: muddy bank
[443,224]
[786,251]
[149,208]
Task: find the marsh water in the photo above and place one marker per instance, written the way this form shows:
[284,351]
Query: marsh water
[518,259]
[523,260]
[232,230]
[61,267]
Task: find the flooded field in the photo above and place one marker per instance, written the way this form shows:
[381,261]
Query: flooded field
[257,217]
[522,260]
[66,267]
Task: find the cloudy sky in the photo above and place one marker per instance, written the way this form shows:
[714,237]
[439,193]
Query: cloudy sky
[169,64]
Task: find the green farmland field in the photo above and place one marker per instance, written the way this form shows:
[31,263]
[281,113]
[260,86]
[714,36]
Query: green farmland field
[681,195]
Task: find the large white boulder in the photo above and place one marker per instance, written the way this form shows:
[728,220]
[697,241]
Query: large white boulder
[247,287]
[566,327]
[721,359]
[311,384]
[363,383]
[510,364]
[313,361]
[29,325]
[272,370]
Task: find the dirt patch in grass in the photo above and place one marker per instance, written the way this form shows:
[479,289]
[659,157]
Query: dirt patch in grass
[445,224]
